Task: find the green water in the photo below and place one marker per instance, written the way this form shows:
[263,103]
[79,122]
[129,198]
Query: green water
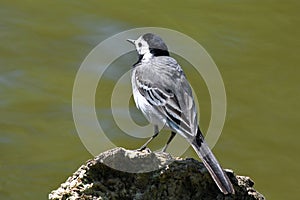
[254,43]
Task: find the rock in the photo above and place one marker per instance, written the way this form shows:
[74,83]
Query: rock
[130,174]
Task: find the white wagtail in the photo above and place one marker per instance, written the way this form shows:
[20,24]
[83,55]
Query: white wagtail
[163,94]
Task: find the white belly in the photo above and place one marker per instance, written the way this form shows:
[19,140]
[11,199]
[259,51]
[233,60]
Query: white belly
[152,115]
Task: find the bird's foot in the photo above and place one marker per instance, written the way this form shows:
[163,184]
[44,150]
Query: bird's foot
[144,149]
[141,148]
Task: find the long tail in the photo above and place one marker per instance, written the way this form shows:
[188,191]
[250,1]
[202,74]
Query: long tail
[211,163]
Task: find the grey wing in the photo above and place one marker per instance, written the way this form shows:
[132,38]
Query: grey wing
[165,87]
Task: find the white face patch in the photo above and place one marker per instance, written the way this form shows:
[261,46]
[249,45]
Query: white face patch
[142,46]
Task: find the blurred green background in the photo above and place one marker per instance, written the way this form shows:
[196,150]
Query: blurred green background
[254,43]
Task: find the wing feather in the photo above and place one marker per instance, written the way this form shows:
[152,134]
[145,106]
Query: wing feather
[164,86]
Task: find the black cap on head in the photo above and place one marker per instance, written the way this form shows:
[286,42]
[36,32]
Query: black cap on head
[156,45]
[155,42]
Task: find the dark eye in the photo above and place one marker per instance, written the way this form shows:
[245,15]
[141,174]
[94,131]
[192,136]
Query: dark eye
[139,44]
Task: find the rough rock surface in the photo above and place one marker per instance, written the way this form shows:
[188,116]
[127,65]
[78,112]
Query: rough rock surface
[127,174]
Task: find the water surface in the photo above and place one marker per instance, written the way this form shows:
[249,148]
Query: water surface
[255,44]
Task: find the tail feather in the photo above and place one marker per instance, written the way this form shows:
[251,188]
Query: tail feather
[212,165]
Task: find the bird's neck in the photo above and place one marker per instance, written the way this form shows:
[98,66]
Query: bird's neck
[159,52]
[147,57]
[144,58]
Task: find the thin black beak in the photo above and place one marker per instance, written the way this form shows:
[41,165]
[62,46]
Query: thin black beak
[131,41]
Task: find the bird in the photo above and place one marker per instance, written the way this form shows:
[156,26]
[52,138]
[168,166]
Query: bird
[163,94]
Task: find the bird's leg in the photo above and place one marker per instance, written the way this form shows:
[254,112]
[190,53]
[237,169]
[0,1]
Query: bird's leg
[156,131]
[169,140]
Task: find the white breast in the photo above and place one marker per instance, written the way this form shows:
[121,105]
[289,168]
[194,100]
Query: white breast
[151,114]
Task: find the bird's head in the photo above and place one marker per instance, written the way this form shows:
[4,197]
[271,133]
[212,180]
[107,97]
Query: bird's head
[149,45]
